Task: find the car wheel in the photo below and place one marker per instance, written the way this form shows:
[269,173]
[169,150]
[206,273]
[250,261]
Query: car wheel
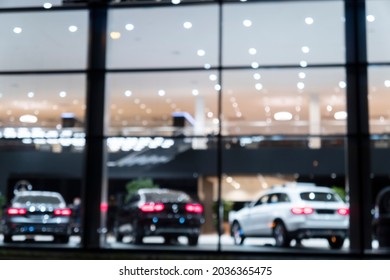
[281,235]
[7,238]
[136,235]
[118,236]
[237,235]
[193,240]
[336,242]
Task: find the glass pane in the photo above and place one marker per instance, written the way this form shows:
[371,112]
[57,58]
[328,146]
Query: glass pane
[162,193]
[163,37]
[163,103]
[30,43]
[265,202]
[378,23]
[284,101]
[297,33]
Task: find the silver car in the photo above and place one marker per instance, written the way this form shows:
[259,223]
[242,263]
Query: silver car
[34,213]
[294,211]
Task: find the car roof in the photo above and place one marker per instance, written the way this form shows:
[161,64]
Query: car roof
[38,193]
[298,187]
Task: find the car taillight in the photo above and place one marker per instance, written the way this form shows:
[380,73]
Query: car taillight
[63,212]
[343,211]
[16,211]
[152,207]
[302,210]
[194,208]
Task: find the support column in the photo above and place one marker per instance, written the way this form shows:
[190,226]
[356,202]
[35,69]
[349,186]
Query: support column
[199,125]
[314,121]
[94,191]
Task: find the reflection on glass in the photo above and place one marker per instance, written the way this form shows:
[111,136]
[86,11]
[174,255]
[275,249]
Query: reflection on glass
[33,44]
[164,186]
[284,101]
[298,33]
[163,37]
[163,103]
[377,29]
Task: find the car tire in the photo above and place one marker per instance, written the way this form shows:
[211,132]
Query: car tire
[237,235]
[136,235]
[118,236]
[281,235]
[336,242]
[193,240]
[7,238]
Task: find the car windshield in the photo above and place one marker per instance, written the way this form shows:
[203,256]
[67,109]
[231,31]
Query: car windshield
[168,197]
[37,199]
[318,196]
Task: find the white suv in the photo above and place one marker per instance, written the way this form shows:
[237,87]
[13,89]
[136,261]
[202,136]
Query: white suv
[293,211]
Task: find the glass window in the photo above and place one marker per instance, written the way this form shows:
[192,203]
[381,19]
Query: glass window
[297,33]
[163,37]
[30,43]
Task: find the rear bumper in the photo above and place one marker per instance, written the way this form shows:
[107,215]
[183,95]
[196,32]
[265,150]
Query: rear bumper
[318,233]
[36,229]
[172,227]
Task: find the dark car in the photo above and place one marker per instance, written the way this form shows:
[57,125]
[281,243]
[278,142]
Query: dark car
[34,213]
[159,212]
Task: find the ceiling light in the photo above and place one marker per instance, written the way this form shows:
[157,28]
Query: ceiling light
[217,87]
[256,76]
[309,20]
[201,53]
[161,92]
[305,49]
[210,114]
[267,109]
[28,119]
[303,63]
[62,94]
[247,23]
[129,27]
[370,18]
[342,84]
[302,75]
[238,114]
[195,92]
[17,30]
[387,83]
[47,5]
[213,77]
[187,25]
[340,115]
[115,35]
[255,65]
[283,116]
[207,66]
[259,86]
[252,51]
[175,2]
[30,94]
[128,93]
[329,108]
[300,85]
[72,28]
[298,108]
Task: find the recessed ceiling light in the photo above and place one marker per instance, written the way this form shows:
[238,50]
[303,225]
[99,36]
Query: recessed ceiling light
[30,94]
[62,94]
[342,84]
[305,49]
[257,76]
[115,35]
[129,27]
[213,77]
[217,87]
[128,93]
[195,92]
[300,85]
[302,75]
[329,108]
[259,86]
[340,115]
[370,18]
[303,63]
[72,28]
[187,25]
[28,119]
[255,65]
[387,83]
[309,20]
[207,66]
[252,51]
[175,2]
[161,92]
[47,5]
[201,53]
[283,116]
[247,23]
[17,30]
